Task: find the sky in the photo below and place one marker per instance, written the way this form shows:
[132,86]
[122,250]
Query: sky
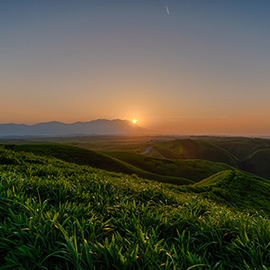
[177,66]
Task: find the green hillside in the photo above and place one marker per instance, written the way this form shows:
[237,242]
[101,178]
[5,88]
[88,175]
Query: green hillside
[192,149]
[164,170]
[236,188]
[248,154]
[98,160]
[239,152]
[58,215]
[241,147]
[175,171]
[258,163]
[194,170]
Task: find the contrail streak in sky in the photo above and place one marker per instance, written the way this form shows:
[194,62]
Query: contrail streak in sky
[167,9]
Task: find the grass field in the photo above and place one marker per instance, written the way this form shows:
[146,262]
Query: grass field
[239,152]
[182,161]
[193,169]
[258,163]
[165,170]
[193,149]
[98,160]
[59,215]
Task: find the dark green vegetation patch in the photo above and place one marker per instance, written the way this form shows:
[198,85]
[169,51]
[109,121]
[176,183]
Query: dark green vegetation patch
[248,154]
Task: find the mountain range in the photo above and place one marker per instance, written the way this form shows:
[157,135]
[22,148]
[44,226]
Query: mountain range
[55,128]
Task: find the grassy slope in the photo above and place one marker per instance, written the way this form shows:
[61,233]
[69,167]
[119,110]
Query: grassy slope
[98,160]
[237,188]
[57,215]
[195,170]
[169,171]
[192,149]
[234,151]
[249,154]
[258,163]
[253,153]
[242,147]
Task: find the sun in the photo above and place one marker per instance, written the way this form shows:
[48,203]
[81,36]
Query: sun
[134,121]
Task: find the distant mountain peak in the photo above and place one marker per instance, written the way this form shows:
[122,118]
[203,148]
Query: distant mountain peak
[56,128]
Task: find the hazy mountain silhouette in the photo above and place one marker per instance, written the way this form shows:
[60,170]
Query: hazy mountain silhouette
[54,128]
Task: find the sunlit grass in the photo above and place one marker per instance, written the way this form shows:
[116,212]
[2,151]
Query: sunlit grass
[56,215]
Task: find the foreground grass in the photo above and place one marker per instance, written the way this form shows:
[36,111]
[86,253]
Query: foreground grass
[56,215]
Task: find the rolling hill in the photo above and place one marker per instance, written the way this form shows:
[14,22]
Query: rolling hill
[59,215]
[241,147]
[129,154]
[258,163]
[237,188]
[248,154]
[98,160]
[164,170]
[192,149]
[192,169]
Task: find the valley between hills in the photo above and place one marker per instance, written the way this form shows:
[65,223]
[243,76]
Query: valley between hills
[135,202]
